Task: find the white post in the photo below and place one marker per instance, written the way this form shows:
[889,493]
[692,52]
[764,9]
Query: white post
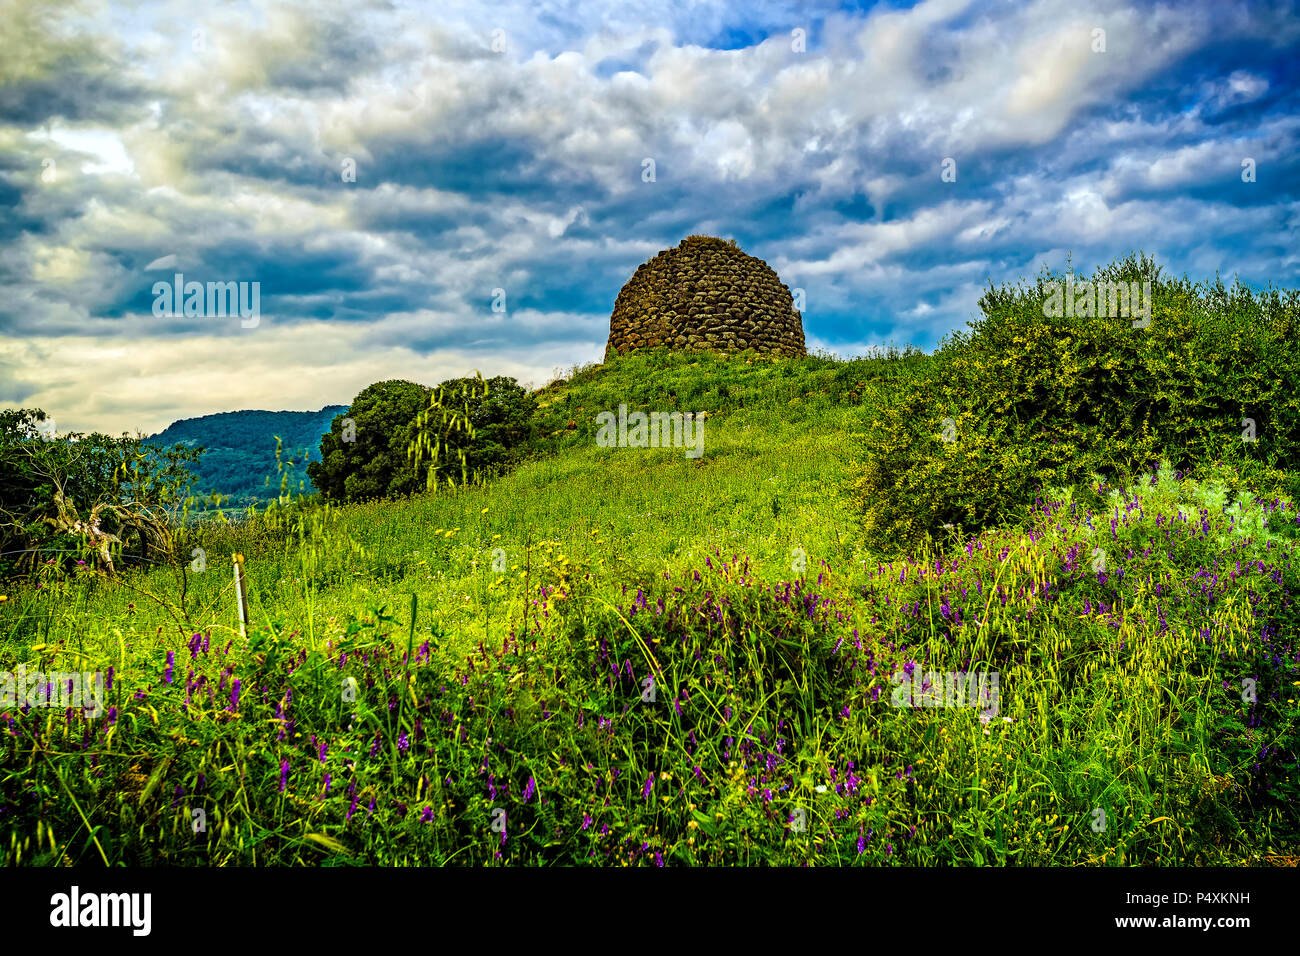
[241,595]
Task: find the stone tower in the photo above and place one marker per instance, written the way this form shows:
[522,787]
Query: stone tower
[705,294]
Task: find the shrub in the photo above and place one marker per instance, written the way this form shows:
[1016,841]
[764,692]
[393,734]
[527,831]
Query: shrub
[364,453]
[399,437]
[1033,400]
[499,414]
[84,496]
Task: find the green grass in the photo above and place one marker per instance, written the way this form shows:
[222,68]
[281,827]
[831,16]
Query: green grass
[444,690]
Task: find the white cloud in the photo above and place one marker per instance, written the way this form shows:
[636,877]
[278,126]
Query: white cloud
[522,170]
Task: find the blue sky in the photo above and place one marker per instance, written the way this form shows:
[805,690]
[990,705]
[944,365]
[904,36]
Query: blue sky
[502,146]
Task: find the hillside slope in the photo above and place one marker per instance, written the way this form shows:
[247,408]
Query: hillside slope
[239,460]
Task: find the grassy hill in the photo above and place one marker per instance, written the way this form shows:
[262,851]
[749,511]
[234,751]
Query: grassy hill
[239,458]
[629,656]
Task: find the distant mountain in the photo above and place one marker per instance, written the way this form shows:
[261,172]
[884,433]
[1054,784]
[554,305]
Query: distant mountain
[240,450]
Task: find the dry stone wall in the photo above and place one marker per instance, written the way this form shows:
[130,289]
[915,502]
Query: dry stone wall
[705,294]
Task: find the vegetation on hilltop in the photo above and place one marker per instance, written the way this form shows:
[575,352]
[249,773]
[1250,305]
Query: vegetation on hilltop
[400,437]
[1023,401]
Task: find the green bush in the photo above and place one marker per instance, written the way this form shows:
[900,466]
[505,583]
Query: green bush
[472,429]
[71,498]
[1032,400]
[364,453]
[399,437]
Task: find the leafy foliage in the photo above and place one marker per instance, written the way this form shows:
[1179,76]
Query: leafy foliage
[473,429]
[400,437]
[1028,400]
[364,453]
[78,496]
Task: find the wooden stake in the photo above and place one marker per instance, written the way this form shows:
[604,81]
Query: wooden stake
[241,595]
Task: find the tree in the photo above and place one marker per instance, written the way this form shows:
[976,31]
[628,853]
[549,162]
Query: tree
[475,428]
[364,453]
[93,495]
[399,437]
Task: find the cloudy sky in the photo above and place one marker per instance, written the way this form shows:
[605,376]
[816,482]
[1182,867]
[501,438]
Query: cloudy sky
[506,146]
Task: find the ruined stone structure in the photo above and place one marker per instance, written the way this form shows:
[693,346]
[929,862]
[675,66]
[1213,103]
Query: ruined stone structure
[705,294]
